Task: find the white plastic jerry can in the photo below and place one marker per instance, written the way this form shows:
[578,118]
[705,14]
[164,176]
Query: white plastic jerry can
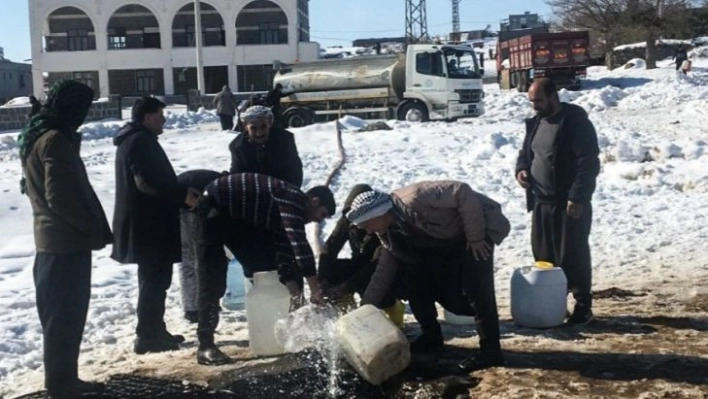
[458,320]
[266,302]
[235,295]
[539,296]
[372,344]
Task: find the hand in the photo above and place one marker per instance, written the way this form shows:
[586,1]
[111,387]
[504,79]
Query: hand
[523,178]
[337,291]
[315,291]
[480,249]
[575,210]
[293,288]
[192,197]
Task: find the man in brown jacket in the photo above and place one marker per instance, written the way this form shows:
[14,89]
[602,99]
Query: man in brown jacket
[441,236]
[69,222]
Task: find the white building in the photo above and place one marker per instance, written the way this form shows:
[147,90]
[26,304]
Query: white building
[138,47]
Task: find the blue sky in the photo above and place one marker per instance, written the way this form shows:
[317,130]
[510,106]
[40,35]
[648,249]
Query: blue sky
[333,22]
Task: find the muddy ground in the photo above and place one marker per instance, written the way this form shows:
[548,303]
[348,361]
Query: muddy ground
[645,343]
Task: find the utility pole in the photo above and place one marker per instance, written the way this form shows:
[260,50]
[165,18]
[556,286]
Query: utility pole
[199,39]
[455,20]
[416,22]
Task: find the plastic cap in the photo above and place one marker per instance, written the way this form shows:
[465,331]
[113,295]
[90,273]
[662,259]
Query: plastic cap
[543,265]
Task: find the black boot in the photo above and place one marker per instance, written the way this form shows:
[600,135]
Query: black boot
[166,336]
[482,361]
[192,316]
[153,345]
[428,341]
[210,355]
[582,315]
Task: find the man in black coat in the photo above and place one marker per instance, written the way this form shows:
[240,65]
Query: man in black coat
[680,56]
[557,166]
[272,100]
[146,219]
[264,148]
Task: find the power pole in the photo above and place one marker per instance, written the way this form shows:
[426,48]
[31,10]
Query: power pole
[199,39]
[455,20]
[416,22]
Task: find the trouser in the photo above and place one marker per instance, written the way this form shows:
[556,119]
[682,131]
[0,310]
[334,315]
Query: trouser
[462,285]
[563,241]
[357,274]
[63,289]
[154,279]
[227,121]
[254,248]
[188,267]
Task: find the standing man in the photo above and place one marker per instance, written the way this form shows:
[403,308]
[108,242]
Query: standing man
[440,237]
[69,223]
[558,165]
[273,101]
[225,104]
[680,56]
[232,208]
[146,219]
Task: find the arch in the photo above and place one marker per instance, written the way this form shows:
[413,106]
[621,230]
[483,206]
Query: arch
[69,28]
[212,26]
[262,22]
[133,26]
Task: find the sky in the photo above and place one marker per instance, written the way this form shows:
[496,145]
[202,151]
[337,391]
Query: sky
[332,22]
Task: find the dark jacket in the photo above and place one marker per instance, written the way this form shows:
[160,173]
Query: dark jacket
[575,158]
[225,102]
[148,197]
[277,158]
[68,216]
[365,247]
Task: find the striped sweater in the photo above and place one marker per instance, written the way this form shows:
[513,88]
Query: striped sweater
[264,201]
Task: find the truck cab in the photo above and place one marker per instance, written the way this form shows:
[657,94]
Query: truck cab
[446,79]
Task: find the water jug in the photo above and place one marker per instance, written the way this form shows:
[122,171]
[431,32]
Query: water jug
[539,296]
[372,344]
[235,295]
[458,320]
[266,302]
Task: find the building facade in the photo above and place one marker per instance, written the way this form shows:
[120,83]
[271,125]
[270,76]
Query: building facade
[15,79]
[132,47]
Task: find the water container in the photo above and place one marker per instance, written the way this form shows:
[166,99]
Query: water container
[266,302]
[372,344]
[235,295]
[539,296]
[458,320]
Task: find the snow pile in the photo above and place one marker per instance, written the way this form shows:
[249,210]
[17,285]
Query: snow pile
[7,142]
[670,42]
[17,102]
[635,63]
[698,53]
[188,118]
[599,100]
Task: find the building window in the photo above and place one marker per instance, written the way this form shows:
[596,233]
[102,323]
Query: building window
[77,39]
[145,81]
[84,77]
[117,38]
[21,81]
[269,32]
[151,37]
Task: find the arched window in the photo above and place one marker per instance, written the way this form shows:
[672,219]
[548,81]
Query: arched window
[183,32]
[69,29]
[261,22]
[131,27]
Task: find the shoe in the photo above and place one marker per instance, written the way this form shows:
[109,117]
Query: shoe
[144,345]
[212,356]
[192,316]
[88,387]
[581,316]
[427,342]
[481,362]
[166,336]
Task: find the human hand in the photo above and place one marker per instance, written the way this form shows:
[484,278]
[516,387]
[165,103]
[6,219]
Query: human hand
[575,210]
[480,249]
[192,197]
[315,291]
[523,178]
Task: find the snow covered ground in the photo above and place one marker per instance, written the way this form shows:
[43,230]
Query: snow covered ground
[650,208]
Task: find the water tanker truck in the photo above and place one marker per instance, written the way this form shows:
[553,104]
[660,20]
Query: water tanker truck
[427,82]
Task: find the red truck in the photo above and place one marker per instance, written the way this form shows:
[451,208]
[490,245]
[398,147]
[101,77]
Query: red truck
[561,56]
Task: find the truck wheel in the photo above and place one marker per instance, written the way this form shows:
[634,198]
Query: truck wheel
[297,117]
[413,112]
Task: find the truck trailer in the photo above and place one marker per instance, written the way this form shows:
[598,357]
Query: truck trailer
[427,82]
[562,57]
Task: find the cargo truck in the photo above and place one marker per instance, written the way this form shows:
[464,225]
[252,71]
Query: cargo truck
[562,57]
[427,82]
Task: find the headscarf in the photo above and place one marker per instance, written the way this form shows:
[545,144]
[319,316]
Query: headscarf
[256,112]
[369,205]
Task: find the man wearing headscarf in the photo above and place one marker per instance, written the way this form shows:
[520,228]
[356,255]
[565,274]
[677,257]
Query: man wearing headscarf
[69,223]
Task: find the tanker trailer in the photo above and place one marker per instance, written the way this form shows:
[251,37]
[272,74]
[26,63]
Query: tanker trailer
[427,82]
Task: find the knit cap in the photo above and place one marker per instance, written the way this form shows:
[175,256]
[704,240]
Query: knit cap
[369,205]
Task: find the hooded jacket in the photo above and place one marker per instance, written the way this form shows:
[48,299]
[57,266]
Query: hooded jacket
[278,157]
[225,102]
[68,216]
[575,156]
[148,197]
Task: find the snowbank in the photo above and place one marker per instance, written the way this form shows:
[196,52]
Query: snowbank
[17,102]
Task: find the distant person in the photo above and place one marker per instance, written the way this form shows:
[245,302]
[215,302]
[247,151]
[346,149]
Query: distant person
[188,219]
[680,56]
[69,223]
[232,208]
[225,104]
[439,237]
[36,106]
[272,100]
[146,219]
[558,165]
